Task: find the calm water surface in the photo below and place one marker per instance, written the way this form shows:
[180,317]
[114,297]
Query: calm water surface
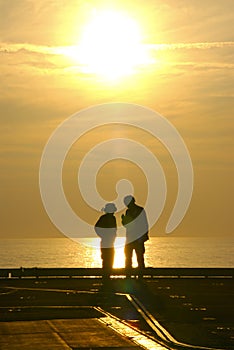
[160,252]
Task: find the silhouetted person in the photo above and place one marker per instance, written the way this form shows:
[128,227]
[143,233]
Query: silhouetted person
[106,229]
[136,224]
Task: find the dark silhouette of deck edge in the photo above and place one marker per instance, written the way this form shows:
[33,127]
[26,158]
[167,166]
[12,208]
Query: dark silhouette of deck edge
[149,272]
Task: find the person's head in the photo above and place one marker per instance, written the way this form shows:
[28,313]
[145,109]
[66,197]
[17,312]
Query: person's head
[129,200]
[109,208]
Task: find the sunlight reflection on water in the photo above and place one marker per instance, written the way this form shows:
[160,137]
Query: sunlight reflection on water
[160,252]
[95,253]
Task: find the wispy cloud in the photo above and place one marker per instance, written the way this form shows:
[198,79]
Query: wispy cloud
[20,47]
[58,50]
[58,57]
[198,45]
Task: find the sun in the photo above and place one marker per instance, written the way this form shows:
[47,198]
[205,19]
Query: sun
[110,46]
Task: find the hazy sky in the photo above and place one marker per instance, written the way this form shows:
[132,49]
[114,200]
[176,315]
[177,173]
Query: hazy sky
[189,82]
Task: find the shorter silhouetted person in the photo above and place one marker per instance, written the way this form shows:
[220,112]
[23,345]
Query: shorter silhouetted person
[106,228]
[136,224]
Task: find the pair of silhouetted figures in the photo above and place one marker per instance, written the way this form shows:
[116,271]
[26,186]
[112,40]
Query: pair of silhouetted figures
[136,225]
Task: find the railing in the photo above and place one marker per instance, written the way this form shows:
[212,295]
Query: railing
[149,272]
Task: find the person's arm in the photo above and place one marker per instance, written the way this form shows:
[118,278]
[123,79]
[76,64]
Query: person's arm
[145,236]
[99,227]
[146,222]
[123,219]
[126,219]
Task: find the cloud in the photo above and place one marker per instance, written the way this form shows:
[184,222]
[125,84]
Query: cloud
[57,57]
[24,47]
[57,50]
[199,45]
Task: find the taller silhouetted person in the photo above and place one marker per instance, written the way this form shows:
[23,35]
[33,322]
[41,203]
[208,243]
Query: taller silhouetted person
[106,228]
[136,224]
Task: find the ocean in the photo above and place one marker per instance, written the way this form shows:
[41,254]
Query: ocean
[160,252]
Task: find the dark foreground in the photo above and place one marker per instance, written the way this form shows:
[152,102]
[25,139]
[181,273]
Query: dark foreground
[196,311]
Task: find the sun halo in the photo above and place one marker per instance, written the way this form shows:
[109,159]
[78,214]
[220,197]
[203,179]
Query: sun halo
[110,47]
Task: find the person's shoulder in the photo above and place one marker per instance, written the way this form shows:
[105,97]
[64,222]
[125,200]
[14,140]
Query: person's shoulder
[101,218]
[139,208]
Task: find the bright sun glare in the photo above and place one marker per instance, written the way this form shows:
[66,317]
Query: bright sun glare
[110,46]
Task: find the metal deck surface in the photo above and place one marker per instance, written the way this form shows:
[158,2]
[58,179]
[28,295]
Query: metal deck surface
[67,334]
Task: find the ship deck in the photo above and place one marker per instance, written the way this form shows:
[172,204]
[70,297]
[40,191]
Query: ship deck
[76,309]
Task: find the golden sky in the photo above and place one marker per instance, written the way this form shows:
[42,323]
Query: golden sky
[188,80]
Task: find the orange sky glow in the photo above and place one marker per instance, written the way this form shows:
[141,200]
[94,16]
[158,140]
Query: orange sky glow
[59,57]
